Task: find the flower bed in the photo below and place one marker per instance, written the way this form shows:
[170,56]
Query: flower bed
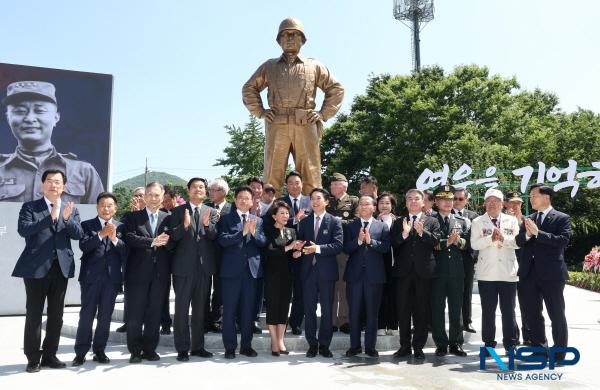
[587,280]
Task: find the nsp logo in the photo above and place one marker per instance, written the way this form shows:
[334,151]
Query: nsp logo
[533,358]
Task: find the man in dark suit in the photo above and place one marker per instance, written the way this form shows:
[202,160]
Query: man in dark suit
[217,191]
[461,199]
[365,240]
[100,277]
[146,275]
[299,209]
[48,226]
[413,239]
[542,271]
[193,228]
[324,239]
[241,236]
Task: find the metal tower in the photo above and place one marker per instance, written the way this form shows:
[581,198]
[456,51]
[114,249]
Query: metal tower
[414,14]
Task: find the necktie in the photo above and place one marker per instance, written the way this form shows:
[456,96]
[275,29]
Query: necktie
[365,224]
[295,206]
[538,219]
[460,213]
[153,223]
[197,219]
[495,221]
[412,224]
[317,219]
[244,216]
[446,224]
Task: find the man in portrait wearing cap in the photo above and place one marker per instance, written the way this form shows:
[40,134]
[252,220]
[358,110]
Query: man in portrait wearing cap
[343,207]
[449,274]
[32,113]
[292,125]
[493,235]
[513,205]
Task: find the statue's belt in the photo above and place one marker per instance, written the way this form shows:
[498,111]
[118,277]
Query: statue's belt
[298,116]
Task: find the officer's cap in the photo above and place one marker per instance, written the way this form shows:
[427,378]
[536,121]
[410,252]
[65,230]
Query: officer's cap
[514,197]
[338,177]
[495,193]
[445,191]
[28,90]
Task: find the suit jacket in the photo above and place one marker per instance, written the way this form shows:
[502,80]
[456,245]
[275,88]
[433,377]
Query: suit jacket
[366,260]
[303,203]
[101,257]
[415,251]
[227,208]
[546,252]
[239,252]
[144,260]
[45,240]
[330,238]
[194,247]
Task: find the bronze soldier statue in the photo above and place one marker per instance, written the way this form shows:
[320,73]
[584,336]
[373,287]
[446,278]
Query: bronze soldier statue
[292,125]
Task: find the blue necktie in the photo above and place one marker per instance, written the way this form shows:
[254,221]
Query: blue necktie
[153,223]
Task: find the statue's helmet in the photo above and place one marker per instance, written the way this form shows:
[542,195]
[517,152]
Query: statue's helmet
[291,24]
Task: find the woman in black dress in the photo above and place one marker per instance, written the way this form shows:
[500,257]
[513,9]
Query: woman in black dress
[278,274]
[388,321]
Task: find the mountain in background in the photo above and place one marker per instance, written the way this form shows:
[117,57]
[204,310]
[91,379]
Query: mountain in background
[161,177]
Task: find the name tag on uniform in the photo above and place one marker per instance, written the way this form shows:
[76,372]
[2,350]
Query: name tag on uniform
[8,181]
[486,232]
[509,232]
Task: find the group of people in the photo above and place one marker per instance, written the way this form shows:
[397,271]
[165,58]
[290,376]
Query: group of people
[367,267]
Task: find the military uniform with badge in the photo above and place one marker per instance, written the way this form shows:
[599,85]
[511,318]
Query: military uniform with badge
[448,283]
[21,171]
[343,209]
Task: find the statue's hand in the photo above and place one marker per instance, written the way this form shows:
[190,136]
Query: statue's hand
[269,115]
[314,117]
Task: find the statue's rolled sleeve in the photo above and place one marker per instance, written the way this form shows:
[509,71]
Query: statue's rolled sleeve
[252,89]
[333,90]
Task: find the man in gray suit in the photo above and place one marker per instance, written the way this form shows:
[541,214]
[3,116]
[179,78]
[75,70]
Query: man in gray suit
[48,226]
[193,231]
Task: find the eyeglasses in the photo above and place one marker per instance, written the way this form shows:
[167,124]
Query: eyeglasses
[459,199]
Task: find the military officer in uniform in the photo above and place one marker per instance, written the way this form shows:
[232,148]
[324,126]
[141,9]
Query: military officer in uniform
[448,282]
[32,114]
[343,207]
[292,125]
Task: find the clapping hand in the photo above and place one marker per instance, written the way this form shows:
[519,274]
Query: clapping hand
[419,226]
[361,235]
[497,235]
[251,226]
[187,219]
[67,210]
[112,231]
[301,215]
[367,236]
[406,228]
[206,218]
[161,240]
[310,249]
[453,237]
[531,227]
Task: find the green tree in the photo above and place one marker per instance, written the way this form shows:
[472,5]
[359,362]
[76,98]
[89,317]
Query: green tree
[244,156]
[404,124]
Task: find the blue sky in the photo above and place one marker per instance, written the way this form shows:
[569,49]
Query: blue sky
[179,66]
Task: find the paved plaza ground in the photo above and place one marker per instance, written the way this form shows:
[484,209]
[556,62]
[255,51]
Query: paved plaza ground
[298,372]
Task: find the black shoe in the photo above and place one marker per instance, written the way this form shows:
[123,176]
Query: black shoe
[284,352]
[345,328]
[419,354]
[78,361]
[248,352]
[296,330]
[334,328]
[325,352]
[353,351]
[101,358]
[229,354]
[215,328]
[183,356]
[52,362]
[151,357]
[135,358]
[203,353]
[402,352]
[273,353]
[372,352]
[122,329]
[457,350]
[441,351]
[312,352]
[256,328]
[33,367]
[165,330]
[469,328]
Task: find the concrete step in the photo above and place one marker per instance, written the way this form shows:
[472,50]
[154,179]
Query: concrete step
[262,342]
